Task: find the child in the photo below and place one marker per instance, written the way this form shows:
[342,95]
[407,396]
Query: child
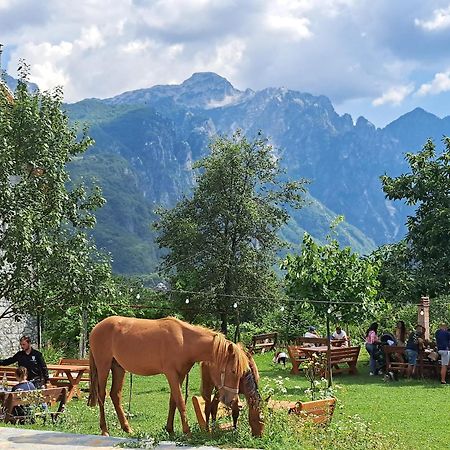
[280,357]
[21,412]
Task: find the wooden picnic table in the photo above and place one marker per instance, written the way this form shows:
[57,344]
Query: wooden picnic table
[71,377]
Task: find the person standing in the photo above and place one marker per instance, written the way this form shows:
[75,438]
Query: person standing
[32,360]
[443,345]
[371,346]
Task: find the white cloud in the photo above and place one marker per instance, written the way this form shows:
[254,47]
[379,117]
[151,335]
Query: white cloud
[90,38]
[440,83]
[440,20]
[394,95]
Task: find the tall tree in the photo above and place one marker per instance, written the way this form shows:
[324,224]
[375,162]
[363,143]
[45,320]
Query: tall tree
[427,187]
[340,284]
[223,240]
[46,258]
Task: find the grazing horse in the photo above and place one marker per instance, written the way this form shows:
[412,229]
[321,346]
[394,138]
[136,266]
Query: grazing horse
[149,347]
[248,386]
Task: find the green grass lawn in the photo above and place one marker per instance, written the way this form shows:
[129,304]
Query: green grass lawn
[407,414]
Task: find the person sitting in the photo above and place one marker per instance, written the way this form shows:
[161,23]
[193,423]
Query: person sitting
[341,335]
[20,412]
[413,345]
[23,384]
[280,358]
[311,333]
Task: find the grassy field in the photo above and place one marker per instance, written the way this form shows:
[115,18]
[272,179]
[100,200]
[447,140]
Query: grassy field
[372,413]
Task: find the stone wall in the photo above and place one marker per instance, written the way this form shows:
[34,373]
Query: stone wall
[11,331]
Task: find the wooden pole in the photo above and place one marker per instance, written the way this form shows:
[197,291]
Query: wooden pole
[329,374]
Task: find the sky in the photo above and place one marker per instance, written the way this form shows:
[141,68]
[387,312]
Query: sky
[375,58]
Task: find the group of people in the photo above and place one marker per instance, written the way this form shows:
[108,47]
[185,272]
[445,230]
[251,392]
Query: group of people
[338,334]
[413,342]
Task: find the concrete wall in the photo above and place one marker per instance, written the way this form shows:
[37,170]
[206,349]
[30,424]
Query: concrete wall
[11,331]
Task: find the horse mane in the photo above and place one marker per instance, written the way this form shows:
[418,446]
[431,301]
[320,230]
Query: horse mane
[220,351]
[253,366]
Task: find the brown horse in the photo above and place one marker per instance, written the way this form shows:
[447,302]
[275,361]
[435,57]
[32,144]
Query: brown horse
[248,386]
[150,347]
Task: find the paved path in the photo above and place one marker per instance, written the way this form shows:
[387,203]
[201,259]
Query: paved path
[24,439]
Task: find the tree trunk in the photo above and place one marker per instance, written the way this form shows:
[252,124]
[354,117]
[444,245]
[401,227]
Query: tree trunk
[224,323]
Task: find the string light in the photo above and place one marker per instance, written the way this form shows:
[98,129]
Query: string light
[235,305]
[187,301]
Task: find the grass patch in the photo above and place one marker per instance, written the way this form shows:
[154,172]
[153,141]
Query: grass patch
[371,414]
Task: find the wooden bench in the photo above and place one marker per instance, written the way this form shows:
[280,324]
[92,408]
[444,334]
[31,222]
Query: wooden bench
[34,399]
[10,375]
[310,341]
[264,342]
[297,357]
[395,359]
[396,362]
[319,412]
[345,355]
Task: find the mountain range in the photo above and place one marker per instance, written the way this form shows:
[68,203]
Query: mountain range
[147,139]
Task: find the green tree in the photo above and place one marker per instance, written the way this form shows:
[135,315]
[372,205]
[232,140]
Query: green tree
[223,240]
[428,188]
[340,284]
[343,284]
[46,257]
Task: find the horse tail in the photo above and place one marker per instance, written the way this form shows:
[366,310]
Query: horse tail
[93,385]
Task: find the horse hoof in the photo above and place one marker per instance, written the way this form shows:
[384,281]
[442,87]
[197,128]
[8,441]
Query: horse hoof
[105,433]
[127,430]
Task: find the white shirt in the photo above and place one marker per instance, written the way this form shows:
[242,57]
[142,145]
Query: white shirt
[341,335]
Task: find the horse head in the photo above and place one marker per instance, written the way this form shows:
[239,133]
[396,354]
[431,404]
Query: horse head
[228,366]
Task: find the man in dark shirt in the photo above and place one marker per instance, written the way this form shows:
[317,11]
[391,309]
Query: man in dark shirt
[443,345]
[31,359]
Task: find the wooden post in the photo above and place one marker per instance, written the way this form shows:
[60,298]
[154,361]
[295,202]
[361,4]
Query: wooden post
[329,374]
[423,315]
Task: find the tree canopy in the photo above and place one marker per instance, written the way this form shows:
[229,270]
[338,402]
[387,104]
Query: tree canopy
[223,240]
[335,280]
[46,257]
[427,187]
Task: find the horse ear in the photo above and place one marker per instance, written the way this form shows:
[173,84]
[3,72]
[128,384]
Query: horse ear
[230,348]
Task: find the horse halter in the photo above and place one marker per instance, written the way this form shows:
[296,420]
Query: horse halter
[226,388]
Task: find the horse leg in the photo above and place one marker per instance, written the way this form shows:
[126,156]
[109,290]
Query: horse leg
[214,406]
[174,381]
[171,416]
[235,412]
[118,375]
[102,374]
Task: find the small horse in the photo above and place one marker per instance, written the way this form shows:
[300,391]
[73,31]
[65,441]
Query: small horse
[149,347]
[248,386]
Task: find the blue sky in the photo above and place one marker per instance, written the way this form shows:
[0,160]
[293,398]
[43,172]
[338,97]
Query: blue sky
[375,58]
